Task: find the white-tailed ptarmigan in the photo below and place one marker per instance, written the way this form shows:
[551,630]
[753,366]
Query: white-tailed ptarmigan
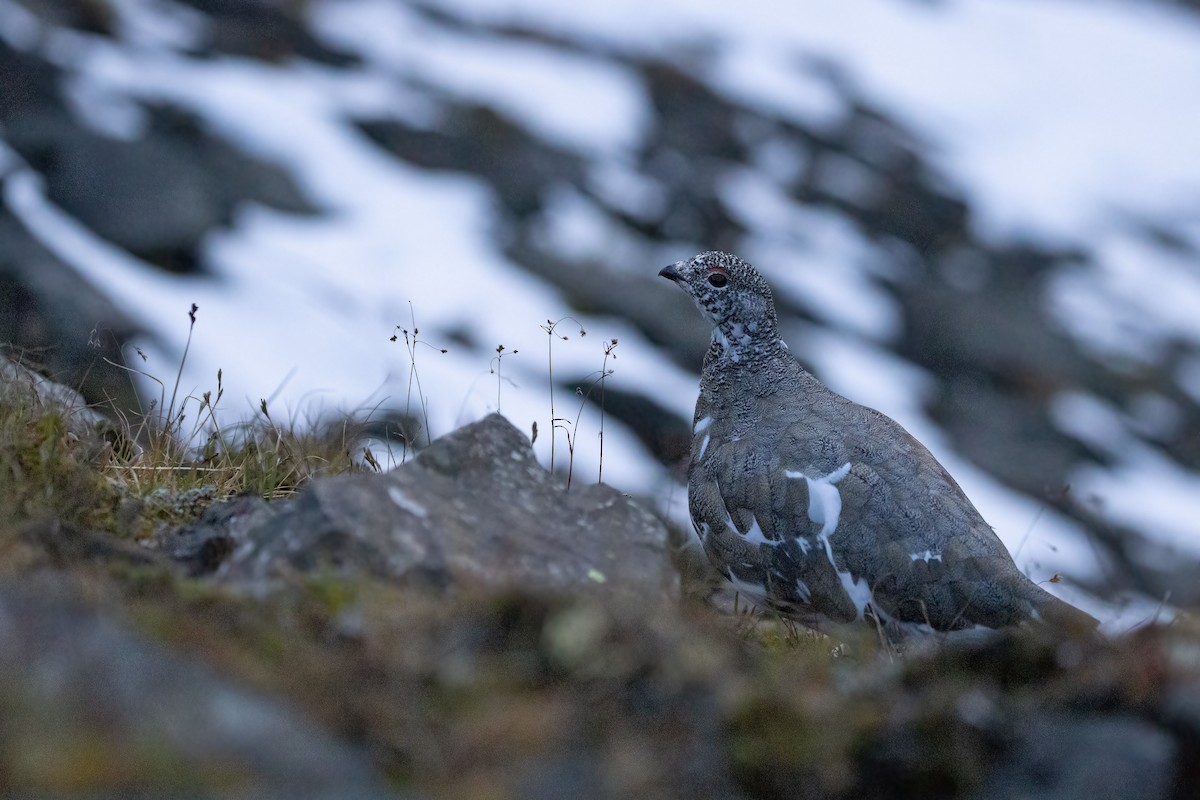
[823,509]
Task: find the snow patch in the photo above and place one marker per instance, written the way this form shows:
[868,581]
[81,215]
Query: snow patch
[572,100]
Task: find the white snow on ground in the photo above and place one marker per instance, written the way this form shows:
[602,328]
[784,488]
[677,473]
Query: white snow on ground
[1135,302]
[1146,490]
[1085,108]
[1086,119]
[542,86]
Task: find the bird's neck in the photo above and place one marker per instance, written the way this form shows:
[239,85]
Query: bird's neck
[752,347]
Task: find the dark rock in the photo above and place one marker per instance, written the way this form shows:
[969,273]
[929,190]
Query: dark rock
[486,143]
[1018,443]
[271,30]
[870,167]
[974,310]
[474,508]
[1090,757]
[153,197]
[1181,710]
[92,16]
[59,319]
[206,544]
[30,89]
[157,196]
[89,707]
[1181,713]
[695,142]
[663,432]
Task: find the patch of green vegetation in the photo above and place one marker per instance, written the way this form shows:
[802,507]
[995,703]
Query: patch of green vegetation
[48,471]
[330,594]
[44,471]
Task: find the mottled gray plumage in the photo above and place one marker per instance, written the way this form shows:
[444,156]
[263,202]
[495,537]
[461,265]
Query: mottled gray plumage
[822,508]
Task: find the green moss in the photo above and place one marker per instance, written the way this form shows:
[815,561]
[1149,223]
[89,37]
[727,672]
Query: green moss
[44,472]
[331,593]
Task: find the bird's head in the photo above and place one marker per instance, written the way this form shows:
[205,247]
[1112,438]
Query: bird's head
[731,293]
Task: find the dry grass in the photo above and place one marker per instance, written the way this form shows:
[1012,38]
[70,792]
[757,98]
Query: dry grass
[49,469]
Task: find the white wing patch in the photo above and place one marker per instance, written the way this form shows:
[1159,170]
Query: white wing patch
[824,499]
[753,536]
[703,449]
[702,425]
[928,555]
[858,590]
[825,509]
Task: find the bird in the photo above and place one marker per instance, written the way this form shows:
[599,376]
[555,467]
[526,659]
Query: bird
[827,511]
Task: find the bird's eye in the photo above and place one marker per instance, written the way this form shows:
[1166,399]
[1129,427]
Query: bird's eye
[718,279]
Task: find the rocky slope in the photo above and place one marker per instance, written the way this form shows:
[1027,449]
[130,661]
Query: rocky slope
[1053,368]
[467,627]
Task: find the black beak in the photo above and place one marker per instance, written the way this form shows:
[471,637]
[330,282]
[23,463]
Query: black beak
[670,274]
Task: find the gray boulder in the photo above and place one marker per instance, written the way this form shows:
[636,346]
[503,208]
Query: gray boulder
[1057,756]
[475,508]
[89,707]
